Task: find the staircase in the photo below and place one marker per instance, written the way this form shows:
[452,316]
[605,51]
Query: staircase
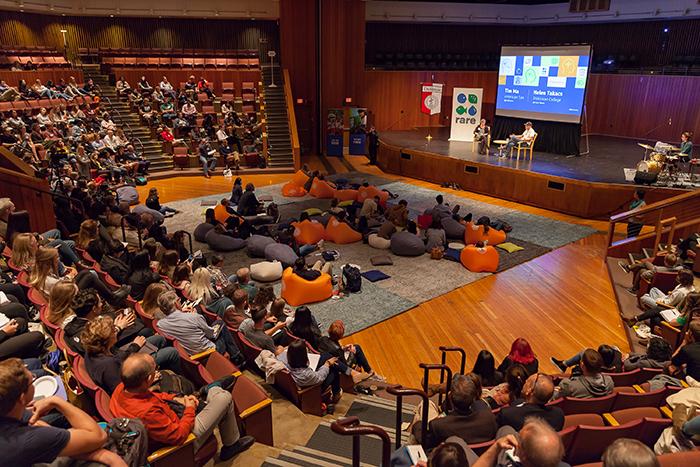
[278,137]
[129,121]
[325,448]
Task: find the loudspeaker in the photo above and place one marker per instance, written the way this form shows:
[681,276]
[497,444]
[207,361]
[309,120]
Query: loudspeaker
[645,178]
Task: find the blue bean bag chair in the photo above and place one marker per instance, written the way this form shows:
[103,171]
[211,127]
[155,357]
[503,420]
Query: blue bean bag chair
[257,244]
[407,244]
[280,252]
[201,231]
[453,228]
[220,242]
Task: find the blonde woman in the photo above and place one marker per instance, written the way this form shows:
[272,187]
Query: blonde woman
[60,300]
[45,276]
[200,288]
[23,251]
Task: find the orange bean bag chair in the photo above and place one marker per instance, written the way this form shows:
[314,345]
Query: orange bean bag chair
[473,234]
[346,195]
[297,291]
[370,192]
[308,232]
[341,233]
[299,179]
[290,190]
[321,189]
[479,259]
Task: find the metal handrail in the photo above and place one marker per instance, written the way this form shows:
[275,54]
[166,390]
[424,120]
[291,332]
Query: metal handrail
[463,364]
[350,426]
[113,110]
[428,367]
[400,392]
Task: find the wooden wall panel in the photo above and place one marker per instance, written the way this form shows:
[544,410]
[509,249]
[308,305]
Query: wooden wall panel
[85,31]
[216,77]
[12,77]
[342,53]
[631,106]
[29,194]
[298,19]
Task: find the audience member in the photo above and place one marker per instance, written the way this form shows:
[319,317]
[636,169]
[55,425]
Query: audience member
[520,353]
[537,391]
[591,383]
[625,452]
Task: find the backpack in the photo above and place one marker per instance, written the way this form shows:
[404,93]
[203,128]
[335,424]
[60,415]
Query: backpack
[352,280]
[128,438]
[140,180]
[330,255]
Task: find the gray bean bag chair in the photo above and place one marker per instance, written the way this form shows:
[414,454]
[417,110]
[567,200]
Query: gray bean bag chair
[219,242]
[453,229]
[280,252]
[407,244]
[257,244]
[201,231]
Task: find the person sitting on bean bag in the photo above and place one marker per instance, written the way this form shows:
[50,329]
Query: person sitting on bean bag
[287,237]
[314,272]
[434,236]
[340,232]
[209,223]
[220,240]
[407,242]
[482,231]
[290,190]
[370,191]
[298,290]
[479,258]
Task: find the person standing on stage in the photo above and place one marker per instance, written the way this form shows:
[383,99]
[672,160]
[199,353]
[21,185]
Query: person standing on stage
[686,146]
[373,145]
[633,225]
[526,137]
[481,135]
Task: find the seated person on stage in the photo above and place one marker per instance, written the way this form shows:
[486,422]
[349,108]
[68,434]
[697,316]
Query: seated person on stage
[591,383]
[675,297]
[646,269]
[686,145]
[526,137]
[134,399]
[481,135]
[25,439]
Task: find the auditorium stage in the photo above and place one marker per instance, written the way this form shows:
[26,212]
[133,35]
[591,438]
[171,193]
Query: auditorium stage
[590,186]
[608,156]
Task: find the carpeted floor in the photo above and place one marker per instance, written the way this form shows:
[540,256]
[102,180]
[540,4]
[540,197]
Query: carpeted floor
[413,280]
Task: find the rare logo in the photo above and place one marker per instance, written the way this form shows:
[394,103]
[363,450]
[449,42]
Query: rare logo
[471,110]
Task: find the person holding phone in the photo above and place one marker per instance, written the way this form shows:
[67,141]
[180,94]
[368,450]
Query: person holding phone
[327,373]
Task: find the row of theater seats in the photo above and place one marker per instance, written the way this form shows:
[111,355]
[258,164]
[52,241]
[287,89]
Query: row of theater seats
[55,60]
[165,52]
[183,62]
[254,407]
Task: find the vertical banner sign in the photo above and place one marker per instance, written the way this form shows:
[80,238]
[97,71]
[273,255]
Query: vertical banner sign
[430,98]
[358,131]
[334,137]
[466,113]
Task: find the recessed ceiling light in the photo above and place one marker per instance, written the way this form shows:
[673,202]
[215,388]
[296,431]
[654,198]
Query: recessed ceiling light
[111,16]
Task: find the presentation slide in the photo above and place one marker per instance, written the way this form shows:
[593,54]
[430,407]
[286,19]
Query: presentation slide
[543,83]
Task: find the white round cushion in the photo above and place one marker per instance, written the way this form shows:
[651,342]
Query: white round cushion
[375,241]
[266,271]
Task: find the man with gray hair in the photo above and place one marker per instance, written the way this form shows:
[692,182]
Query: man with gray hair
[537,391]
[625,452]
[191,330]
[537,445]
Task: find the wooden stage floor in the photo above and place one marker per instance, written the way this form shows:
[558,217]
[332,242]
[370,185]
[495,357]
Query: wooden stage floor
[608,156]
[561,302]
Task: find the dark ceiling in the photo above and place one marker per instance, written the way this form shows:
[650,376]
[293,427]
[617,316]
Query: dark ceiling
[502,2]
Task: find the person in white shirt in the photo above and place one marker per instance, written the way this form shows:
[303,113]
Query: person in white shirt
[42,117]
[166,88]
[122,86]
[526,137]
[675,297]
[107,123]
[111,141]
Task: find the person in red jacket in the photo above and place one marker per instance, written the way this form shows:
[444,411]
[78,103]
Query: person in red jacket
[133,399]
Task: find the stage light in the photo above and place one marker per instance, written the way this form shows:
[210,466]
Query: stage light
[348,100]
[300,101]
[666,30]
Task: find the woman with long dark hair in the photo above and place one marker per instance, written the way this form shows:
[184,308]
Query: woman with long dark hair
[485,367]
[305,327]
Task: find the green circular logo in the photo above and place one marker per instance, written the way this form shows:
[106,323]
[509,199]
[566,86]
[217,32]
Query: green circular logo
[473,99]
[461,110]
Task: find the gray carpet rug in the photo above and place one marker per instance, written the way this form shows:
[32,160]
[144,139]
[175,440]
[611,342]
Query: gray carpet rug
[413,280]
